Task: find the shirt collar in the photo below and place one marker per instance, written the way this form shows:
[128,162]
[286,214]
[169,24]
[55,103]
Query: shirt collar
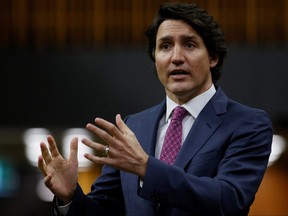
[193,106]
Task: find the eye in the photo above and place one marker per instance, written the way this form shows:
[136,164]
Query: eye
[190,45]
[165,46]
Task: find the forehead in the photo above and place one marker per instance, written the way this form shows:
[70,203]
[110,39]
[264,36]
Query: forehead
[172,28]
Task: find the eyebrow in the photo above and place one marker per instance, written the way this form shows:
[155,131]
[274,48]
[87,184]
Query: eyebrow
[183,37]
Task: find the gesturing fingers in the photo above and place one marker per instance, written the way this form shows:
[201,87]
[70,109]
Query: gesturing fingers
[53,147]
[73,150]
[42,165]
[101,160]
[100,148]
[116,136]
[110,128]
[124,151]
[100,133]
[121,125]
[45,154]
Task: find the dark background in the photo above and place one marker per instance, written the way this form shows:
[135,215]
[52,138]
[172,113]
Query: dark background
[55,88]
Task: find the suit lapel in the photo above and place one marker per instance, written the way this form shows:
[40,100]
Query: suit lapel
[149,127]
[204,126]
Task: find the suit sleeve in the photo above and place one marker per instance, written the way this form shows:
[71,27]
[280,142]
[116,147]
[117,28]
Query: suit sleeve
[104,199]
[238,174]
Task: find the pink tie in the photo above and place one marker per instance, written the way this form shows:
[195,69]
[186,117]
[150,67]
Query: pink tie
[173,138]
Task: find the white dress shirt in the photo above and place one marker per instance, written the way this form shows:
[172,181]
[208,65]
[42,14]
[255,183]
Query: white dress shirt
[194,107]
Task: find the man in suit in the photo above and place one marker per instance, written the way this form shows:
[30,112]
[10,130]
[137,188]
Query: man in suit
[224,145]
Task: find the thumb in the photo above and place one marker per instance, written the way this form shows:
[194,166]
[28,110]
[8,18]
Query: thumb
[73,156]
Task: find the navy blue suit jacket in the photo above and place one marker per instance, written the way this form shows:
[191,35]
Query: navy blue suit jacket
[217,172]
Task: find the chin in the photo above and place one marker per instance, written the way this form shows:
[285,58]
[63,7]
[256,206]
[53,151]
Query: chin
[182,90]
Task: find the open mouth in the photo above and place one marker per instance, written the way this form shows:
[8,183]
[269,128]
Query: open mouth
[178,72]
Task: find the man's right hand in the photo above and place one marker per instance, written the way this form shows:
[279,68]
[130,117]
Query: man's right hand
[61,175]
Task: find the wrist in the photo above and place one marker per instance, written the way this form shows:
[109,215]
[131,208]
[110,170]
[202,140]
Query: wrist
[67,198]
[142,170]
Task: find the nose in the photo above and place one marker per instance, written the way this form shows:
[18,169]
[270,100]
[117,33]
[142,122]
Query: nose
[177,56]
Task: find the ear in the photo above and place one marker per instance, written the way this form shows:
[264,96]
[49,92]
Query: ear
[213,61]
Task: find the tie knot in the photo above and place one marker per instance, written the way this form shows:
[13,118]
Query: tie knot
[179,113]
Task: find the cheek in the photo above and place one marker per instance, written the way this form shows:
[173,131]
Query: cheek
[160,71]
[159,65]
[202,64]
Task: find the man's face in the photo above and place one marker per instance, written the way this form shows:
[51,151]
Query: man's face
[182,61]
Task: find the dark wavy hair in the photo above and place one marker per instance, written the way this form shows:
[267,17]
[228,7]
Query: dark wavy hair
[201,22]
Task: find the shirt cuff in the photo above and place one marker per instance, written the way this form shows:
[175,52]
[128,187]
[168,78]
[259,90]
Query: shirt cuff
[63,209]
